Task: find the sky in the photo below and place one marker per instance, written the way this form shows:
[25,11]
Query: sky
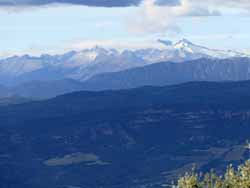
[56,26]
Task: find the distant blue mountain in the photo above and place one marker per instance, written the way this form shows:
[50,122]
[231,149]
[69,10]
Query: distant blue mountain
[41,89]
[169,73]
[157,74]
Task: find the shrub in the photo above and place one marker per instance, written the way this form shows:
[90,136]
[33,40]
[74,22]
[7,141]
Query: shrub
[233,178]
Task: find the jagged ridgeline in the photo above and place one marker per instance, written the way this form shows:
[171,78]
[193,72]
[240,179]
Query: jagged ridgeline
[83,65]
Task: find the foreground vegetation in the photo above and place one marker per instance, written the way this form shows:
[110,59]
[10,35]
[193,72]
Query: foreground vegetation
[233,178]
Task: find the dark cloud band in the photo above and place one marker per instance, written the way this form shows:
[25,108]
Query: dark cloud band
[168,2]
[97,3]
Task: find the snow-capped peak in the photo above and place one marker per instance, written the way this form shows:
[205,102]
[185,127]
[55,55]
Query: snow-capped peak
[185,46]
[183,50]
[103,51]
[87,56]
[183,43]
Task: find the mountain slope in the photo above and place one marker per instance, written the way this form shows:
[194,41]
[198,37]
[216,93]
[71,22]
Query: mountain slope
[41,89]
[13,100]
[132,138]
[46,89]
[167,73]
[4,91]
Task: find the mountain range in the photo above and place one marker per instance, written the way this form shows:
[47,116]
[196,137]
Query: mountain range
[82,65]
[156,74]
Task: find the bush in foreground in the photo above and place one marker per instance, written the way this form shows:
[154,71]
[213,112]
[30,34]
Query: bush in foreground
[233,178]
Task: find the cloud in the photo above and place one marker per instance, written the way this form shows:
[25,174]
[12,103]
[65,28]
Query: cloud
[200,12]
[153,17]
[81,44]
[97,3]
[245,4]
[120,44]
[168,2]
[165,42]
[234,7]
[161,16]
